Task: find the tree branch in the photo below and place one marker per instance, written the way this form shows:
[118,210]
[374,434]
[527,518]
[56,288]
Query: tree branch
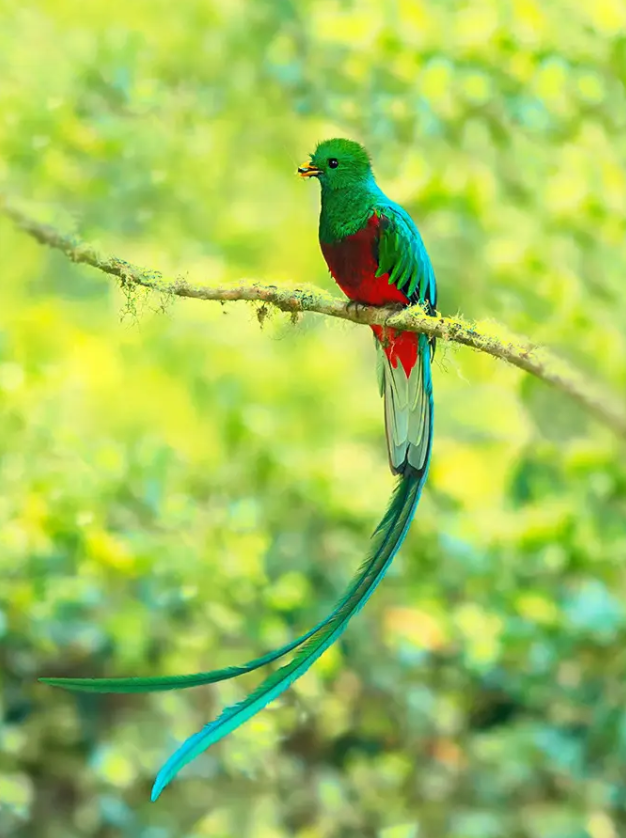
[519,352]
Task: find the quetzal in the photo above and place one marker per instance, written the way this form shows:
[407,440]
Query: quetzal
[377,257]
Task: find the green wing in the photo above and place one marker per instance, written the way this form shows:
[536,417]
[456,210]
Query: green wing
[408,396]
[402,255]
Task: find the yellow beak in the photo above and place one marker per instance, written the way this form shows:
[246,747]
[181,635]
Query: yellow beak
[308,170]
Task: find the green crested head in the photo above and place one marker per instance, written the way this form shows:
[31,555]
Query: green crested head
[339,164]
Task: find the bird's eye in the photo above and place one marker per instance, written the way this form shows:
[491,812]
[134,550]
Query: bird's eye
[333,162]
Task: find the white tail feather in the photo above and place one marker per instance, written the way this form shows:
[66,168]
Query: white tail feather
[407,410]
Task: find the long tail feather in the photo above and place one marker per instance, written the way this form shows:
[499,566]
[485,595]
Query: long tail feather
[387,539]
[408,409]
[162,683]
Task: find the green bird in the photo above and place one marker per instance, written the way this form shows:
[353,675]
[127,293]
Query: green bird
[377,257]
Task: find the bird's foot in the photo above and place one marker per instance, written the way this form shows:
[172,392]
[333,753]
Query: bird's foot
[354,307]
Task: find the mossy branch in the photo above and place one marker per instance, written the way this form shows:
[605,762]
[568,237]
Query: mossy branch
[519,352]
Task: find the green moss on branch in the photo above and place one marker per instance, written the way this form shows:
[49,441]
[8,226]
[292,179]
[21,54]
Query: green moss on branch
[516,351]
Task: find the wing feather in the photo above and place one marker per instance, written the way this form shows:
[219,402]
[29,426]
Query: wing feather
[408,398]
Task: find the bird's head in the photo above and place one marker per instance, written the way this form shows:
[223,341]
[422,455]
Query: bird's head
[338,164]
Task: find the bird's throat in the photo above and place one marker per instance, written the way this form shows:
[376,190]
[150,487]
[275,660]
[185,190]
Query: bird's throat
[346,211]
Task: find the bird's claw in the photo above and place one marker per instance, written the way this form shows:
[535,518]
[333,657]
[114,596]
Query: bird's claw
[355,307]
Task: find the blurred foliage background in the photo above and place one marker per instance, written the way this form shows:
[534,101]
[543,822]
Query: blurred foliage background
[181,489]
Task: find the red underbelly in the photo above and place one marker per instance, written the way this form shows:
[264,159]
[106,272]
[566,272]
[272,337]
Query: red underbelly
[398,346]
[357,278]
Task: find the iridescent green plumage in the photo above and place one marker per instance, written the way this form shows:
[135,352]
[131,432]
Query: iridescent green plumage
[386,540]
[377,256]
[163,683]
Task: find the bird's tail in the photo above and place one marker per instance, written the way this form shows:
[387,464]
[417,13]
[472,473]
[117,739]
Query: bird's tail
[408,421]
[386,541]
[162,683]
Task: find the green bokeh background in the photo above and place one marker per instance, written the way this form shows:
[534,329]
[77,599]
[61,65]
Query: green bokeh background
[181,489]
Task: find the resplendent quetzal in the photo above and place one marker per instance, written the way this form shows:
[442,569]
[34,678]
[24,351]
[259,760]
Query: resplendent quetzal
[377,257]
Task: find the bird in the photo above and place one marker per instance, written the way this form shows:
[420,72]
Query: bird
[377,257]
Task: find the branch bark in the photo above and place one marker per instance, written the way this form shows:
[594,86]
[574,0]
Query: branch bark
[516,351]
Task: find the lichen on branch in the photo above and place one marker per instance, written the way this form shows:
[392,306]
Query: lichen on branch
[519,352]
